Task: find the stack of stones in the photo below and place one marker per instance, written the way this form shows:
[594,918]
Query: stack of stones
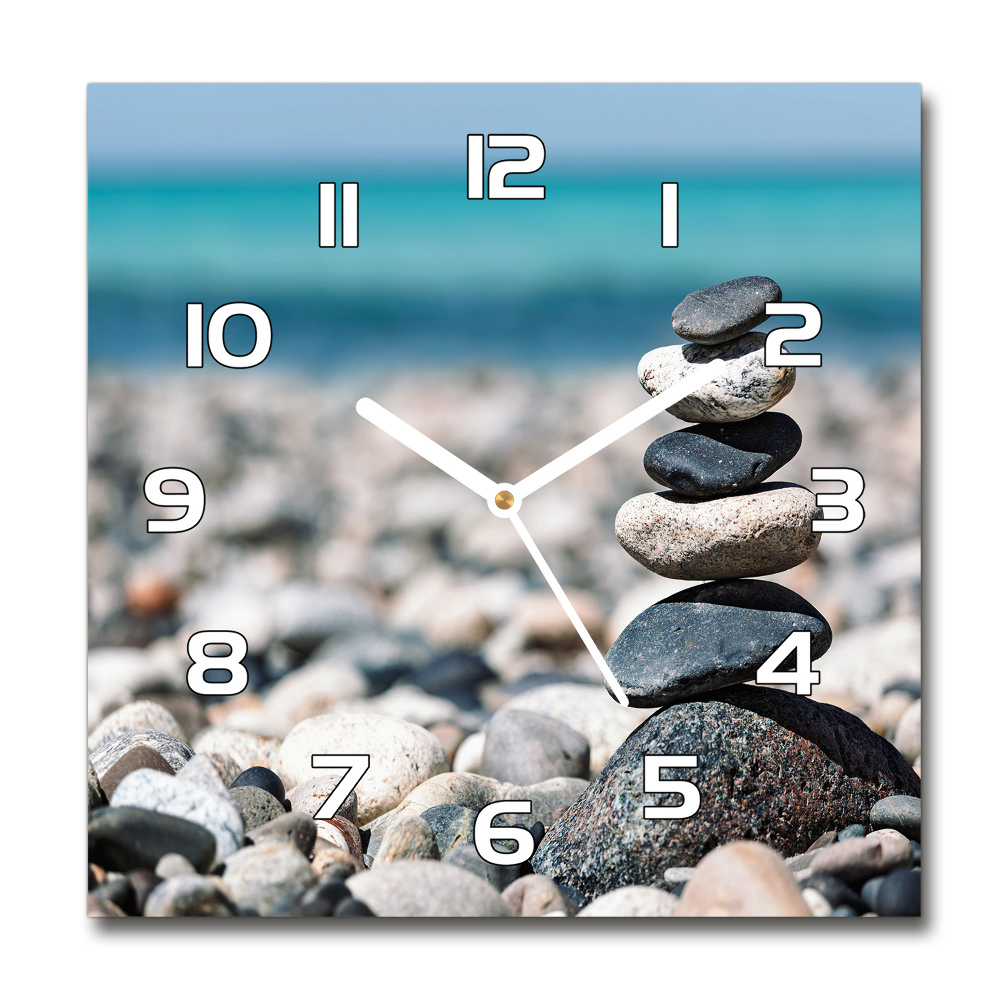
[773,767]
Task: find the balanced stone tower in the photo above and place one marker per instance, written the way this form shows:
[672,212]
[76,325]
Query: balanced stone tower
[773,766]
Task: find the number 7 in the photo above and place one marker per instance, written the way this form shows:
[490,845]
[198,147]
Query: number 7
[357,765]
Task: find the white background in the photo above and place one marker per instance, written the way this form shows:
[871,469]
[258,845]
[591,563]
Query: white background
[51,53]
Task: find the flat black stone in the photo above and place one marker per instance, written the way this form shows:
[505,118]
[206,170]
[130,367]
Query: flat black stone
[710,460]
[709,637]
[125,838]
[724,312]
[834,890]
[898,812]
[263,778]
[772,767]
[899,894]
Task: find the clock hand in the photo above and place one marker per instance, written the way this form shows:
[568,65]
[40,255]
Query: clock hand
[426,448]
[551,580]
[618,429]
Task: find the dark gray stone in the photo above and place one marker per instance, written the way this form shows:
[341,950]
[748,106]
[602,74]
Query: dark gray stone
[869,893]
[452,825]
[527,747]
[834,890]
[189,896]
[293,828]
[722,312]
[709,460]
[898,812]
[854,830]
[124,838]
[898,894]
[467,857]
[256,806]
[708,637]
[772,767]
[844,911]
[261,777]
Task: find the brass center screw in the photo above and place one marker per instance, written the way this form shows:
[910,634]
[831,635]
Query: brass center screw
[504,500]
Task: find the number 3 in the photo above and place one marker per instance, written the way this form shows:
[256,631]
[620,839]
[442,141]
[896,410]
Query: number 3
[847,501]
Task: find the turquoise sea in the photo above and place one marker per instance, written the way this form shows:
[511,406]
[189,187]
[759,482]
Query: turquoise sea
[578,279]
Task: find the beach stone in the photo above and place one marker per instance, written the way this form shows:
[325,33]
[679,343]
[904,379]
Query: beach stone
[263,778]
[412,837]
[898,894]
[117,889]
[451,826]
[885,715]
[772,767]
[143,883]
[907,739]
[427,889]
[313,689]
[632,901]
[710,460]
[742,879]
[834,890]
[402,756]
[526,747]
[308,796]
[227,768]
[202,772]
[161,793]
[537,896]
[95,794]
[454,675]
[247,749]
[136,758]
[869,893]
[722,312]
[854,830]
[259,876]
[466,856]
[124,838]
[898,812]
[174,865]
[353,908]
[137,715]
[469,755]
[97,907]
[187,709]
[174,751]
[817,903]
[708,637]
[293,828]
[675,877]
[331,863]
[190,896]
[256,806]
[765,530]
[586,708]
[856,860]
[746,389]
[341,833]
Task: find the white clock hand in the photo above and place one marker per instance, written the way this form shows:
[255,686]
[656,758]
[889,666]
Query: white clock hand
[426,448]
[618,429]
[550,579]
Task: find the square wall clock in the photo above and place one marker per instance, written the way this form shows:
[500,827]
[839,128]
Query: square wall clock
[504,501]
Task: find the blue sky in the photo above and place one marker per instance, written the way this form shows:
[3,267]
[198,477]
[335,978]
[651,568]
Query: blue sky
[288,124]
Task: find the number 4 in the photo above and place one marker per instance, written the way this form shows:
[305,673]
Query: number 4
[357,765]
[803,676]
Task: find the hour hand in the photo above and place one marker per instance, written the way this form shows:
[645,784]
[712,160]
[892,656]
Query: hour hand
[426,448]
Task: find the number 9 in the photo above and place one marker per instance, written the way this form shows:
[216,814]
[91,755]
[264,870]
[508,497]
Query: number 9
[193,501]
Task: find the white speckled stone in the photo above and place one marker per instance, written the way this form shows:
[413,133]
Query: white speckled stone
[174,751]
[427,889]
[632,901]
[310,795]
[247,749]
[136,715]
[765,530]
[259,876]
[747,389]
[469,755]
[163,793]
[402,756]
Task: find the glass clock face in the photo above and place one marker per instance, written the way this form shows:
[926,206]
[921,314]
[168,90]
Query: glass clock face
[504,500]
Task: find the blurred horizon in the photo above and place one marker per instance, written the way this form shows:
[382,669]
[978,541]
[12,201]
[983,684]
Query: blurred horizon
[209,193]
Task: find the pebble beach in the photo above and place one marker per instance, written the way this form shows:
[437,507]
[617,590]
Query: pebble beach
[387,613]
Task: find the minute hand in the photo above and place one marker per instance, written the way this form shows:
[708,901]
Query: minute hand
[619,428]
